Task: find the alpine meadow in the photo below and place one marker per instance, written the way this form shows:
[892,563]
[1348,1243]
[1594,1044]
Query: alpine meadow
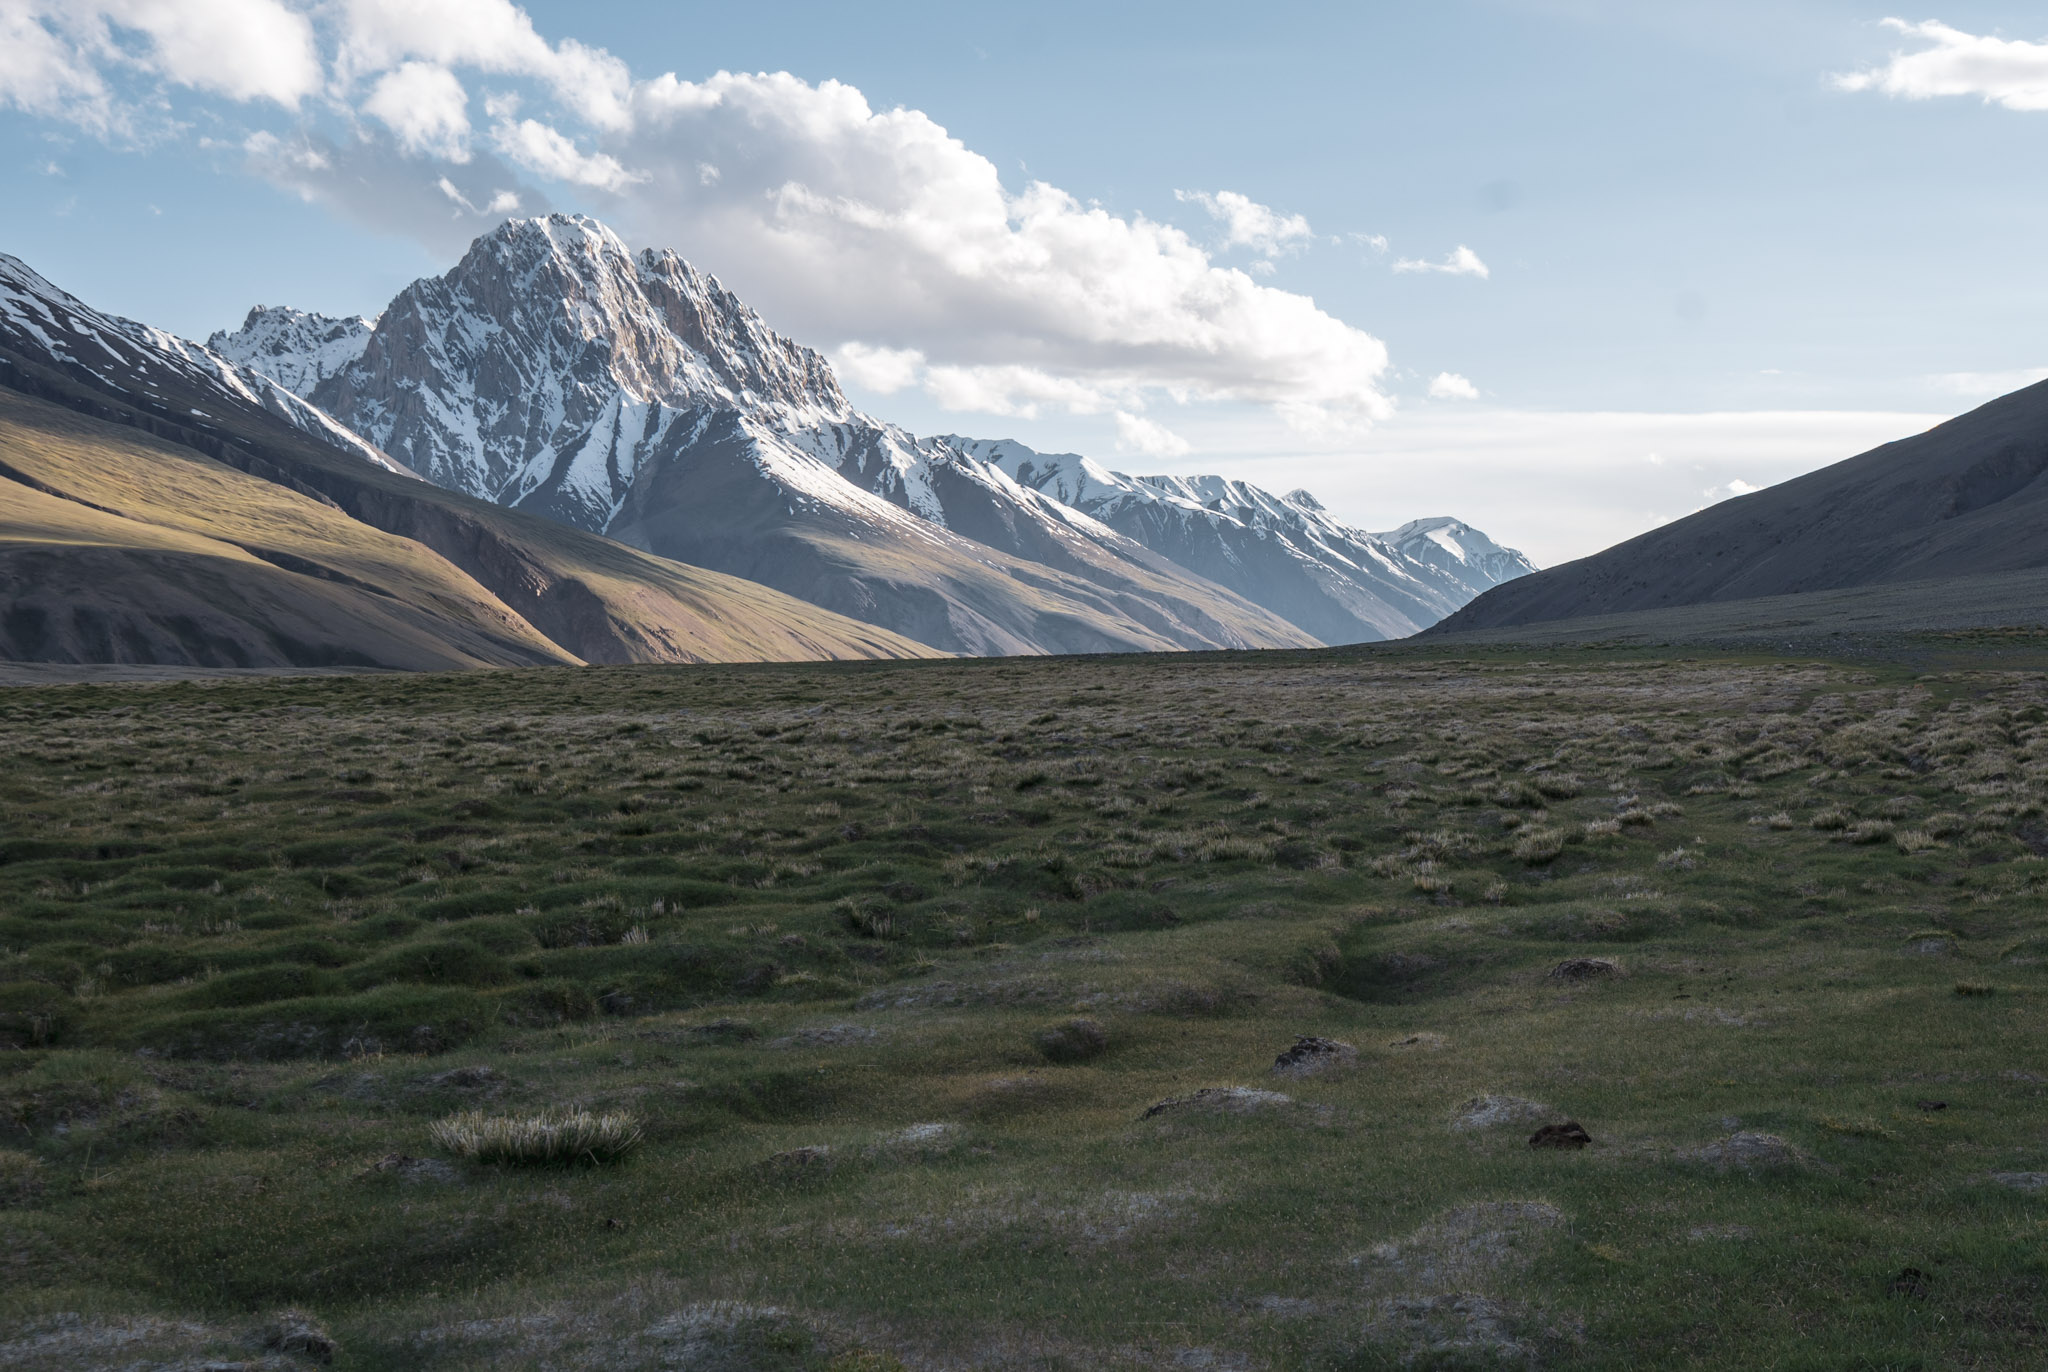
[916,688]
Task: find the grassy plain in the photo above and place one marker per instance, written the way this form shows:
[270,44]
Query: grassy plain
[821,932]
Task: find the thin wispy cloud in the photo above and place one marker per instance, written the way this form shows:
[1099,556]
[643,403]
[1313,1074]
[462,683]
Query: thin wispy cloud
[1462,262]
[1985,385]
[1248,224]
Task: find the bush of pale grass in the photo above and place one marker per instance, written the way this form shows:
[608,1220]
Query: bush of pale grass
[1536,846]
[554,1136]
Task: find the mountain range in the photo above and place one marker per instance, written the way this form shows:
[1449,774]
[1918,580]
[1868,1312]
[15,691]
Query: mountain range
[555,370]
[562,450]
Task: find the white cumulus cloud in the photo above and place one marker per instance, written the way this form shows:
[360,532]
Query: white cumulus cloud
[426,108]
[1139,435]
[2007,72]
[882,370]
[1008,389]
[837,220]
[545,150]
[491,36]
[1462,262]
[1248,224]
[1451,386]
[56,55]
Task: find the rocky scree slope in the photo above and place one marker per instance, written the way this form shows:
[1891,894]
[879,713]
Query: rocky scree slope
[159,503]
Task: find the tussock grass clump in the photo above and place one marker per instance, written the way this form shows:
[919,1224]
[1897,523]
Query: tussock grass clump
[867,917]
[556,1136]
[1537,846]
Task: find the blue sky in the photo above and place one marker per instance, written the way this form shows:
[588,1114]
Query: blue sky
[1708,265]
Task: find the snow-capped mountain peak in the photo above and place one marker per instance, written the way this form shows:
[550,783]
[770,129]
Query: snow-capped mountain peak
[294,348]
[556,369]
[1459,551]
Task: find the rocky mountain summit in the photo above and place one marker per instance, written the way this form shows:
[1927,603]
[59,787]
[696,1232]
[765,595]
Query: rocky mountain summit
[296,349]
[555,370]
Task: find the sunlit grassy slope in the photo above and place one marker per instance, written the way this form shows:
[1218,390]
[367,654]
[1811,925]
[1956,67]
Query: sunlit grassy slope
[1770,931]
[278,551]
[115,546]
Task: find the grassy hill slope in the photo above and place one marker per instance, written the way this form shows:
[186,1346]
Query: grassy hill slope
[371,565]
[1966,498]
[117,547]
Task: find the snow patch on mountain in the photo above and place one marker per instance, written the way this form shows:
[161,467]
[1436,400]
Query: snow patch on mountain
[294,348]
[72,332]
[1287,553]
[1459,552]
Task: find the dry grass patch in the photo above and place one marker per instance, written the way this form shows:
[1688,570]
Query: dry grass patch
[565,1136]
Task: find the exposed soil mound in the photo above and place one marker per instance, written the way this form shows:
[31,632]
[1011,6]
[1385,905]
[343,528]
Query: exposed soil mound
[1749,1150]
[1078,1040]
[1585,969]
[2022,1181]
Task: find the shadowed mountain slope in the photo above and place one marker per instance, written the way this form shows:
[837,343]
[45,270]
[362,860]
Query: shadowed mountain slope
[1966,498]
[162,504]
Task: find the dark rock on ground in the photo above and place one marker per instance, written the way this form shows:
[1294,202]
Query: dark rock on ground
[294,1331]
[1310,1054]
[1570,1134]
